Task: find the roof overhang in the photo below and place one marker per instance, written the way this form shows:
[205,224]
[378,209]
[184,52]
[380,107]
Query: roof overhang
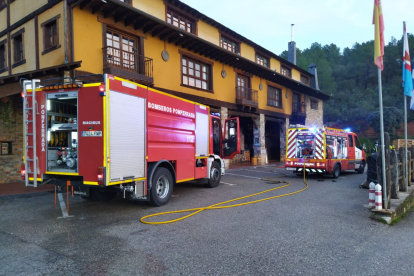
[156,27]
[40,72]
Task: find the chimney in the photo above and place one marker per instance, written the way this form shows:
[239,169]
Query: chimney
[292,49]
[314,80]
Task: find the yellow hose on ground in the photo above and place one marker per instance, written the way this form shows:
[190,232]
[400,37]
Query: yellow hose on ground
[216,206]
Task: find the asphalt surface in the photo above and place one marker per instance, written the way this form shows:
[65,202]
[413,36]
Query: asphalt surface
[324,230]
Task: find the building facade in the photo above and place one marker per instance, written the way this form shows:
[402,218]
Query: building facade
[163,44]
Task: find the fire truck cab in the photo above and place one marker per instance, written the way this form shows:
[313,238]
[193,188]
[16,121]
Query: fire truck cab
[323,150]
[104,135]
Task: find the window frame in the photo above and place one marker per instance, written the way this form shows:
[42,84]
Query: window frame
[3,4]
[201,61]
[10,148]
[13,38]
[312,101]
[44,25]
[287,68]
[305,77]
[262,56]
[136,55]
[232,40]
[5,67]
[280,100]
[180,13]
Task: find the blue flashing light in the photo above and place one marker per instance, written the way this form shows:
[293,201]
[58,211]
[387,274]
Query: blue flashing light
[347,130]
[312,129]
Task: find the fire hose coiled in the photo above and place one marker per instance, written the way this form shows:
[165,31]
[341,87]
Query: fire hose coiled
[194,211]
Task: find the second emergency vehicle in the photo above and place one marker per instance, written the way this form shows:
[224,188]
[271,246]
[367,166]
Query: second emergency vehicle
[324,150]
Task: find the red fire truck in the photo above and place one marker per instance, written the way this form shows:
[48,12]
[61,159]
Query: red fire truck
[109,135]
[327,150]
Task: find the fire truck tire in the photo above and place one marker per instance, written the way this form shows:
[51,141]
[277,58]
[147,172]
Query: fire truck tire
[98,195]
[336,171]
[361,168]
[162,187]
[215,175]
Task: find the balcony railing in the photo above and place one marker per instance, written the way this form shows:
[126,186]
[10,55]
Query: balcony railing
[246,96]
[128,65]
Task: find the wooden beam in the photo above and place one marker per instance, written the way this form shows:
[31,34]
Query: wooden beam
[139,23]
[97,8]
[182,41]
[159,30]
[149,27]
[85,4]
[129,18]
[188,44]
[167,35]
[173,39]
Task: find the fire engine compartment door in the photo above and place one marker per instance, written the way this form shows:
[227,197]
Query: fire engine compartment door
[202,134]
[231,141]
[127,120]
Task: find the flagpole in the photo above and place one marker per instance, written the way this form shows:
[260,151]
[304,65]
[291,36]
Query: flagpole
[384,185]
[405,126]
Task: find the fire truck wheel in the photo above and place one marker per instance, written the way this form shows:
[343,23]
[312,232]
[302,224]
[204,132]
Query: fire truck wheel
[215,176]
[361,168]
[162,187]
[336,171]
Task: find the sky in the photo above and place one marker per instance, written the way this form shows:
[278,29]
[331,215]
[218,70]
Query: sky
[342,22]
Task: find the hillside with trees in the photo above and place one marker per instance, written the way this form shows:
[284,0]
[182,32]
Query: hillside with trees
[351,78]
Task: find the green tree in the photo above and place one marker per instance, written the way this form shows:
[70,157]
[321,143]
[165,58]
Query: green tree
[393,119]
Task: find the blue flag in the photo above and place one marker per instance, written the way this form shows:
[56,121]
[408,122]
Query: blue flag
[407,75]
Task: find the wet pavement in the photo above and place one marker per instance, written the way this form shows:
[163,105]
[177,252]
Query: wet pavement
[324,230]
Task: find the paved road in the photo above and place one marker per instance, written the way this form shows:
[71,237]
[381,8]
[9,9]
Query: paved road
[321,231]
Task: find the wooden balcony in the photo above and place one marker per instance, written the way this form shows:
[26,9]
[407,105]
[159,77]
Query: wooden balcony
[128,65]
[298,110]
[246,97]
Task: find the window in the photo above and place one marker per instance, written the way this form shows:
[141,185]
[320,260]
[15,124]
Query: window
[274,96]
[304,79]
[262,60]
[2,4]
[180,21]
[286,71]
[195,73]
[351,140]
[6,148]
[50,35]
[314,104]
[121,51]
[18,48]
[3,60]
[230,45]
[296,103]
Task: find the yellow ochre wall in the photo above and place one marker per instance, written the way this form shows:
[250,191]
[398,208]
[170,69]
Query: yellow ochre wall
[57,56]
[3,19]
[88,41]
[208,32]
[154,7]
[20,8]
[28,48]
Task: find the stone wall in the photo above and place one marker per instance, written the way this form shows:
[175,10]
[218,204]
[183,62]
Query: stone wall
[283,128]
[10,164]
[314,117]
[259,132]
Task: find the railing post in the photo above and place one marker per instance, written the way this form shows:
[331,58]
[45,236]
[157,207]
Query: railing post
[409,167]
[412,162]
[394,174]
[402,157]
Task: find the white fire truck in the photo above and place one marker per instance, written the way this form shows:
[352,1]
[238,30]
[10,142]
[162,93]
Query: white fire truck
[325,150]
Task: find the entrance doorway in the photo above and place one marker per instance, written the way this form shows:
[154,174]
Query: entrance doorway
[272,140]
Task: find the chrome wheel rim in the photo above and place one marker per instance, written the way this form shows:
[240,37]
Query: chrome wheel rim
[215,174]
[163,186]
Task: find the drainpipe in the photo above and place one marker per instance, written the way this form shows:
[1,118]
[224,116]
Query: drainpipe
[72,46]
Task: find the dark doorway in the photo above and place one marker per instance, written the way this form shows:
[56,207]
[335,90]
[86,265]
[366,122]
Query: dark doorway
[272,136]
[246,129]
